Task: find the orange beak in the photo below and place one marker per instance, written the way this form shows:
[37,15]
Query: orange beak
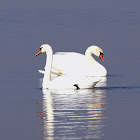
[39,52]
[102,57]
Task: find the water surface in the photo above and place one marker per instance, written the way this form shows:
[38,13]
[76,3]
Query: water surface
[109,111]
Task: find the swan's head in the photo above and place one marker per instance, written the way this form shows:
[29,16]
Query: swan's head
[43,49]
[97,51]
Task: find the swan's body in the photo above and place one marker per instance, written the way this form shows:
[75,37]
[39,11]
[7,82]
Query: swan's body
[64,81]
[75,63]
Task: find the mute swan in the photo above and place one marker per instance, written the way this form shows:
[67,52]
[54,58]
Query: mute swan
[64,81]
[76,63]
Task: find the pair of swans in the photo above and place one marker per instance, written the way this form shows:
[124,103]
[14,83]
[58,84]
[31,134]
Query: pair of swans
[75,66]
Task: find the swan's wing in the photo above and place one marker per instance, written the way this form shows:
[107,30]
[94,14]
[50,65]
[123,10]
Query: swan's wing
[86,83]
[68,62]
[62,82]
[68,53]
[72,82]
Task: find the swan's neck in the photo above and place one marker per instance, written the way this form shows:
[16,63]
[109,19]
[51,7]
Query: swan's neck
[47,75]
[88,55]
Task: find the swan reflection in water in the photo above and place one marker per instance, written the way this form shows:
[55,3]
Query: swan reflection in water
[74,114]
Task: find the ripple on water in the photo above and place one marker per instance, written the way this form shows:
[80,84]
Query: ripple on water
[73,114]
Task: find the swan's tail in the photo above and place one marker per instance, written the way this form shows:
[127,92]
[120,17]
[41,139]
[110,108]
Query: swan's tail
[96,83]
[52,73]
[41,71]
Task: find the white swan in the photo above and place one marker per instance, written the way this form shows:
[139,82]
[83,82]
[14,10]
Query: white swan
[75,63]
[64,81]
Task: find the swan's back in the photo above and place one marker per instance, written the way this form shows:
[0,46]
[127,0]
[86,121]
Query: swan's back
[76,63]
[68,62]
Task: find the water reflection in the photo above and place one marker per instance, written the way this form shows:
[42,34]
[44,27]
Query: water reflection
[70,114]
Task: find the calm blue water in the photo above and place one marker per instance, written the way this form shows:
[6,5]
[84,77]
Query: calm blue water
[109,111]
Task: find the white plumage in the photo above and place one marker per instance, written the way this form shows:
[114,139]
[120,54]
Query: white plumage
[64,81]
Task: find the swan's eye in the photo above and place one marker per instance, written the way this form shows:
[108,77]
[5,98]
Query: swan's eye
[101,53]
